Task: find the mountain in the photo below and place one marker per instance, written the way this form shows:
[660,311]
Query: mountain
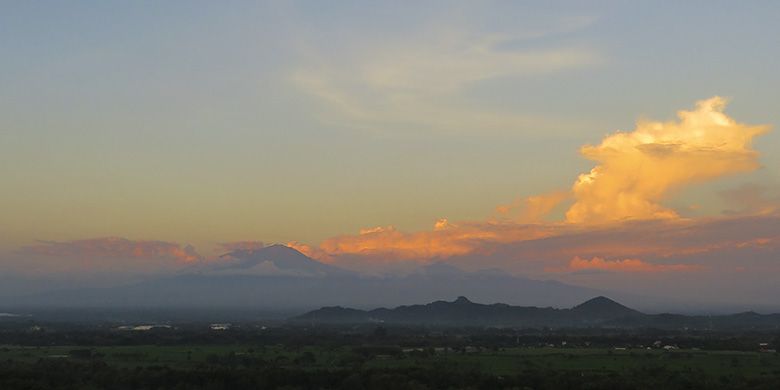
[602,308]
[271,260]
[596,312]
[279,277]
[440,269]
[462,311]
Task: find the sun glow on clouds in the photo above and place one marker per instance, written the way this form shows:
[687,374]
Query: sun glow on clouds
[446,239]
[635,172]
[626,265]
[615,220]
[534,208]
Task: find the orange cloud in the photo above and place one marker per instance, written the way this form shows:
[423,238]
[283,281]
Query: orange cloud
[308,250]
[115,247]
[638,169]
[635,172]
[533,209]
[627,265]
[446,239]
[758,242]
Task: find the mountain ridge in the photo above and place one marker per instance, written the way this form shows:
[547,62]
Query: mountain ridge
[281,277]
[599,312]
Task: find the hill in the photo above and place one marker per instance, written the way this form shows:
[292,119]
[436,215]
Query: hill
[597,312]
[462,311]
[602,309]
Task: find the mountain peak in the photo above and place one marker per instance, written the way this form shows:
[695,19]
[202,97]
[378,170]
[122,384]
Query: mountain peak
[599,301]
[280,248]
[461,311]
[603,306]
[279,258]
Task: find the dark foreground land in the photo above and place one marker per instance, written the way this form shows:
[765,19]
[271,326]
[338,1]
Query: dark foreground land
[269,356]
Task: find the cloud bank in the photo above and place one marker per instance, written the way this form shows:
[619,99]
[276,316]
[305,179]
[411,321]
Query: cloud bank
[626,265]
[616,221]
[115,247]
[636,171]
[105,255]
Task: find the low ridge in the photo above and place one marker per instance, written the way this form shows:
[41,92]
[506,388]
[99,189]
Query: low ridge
[462,311]
[597,312]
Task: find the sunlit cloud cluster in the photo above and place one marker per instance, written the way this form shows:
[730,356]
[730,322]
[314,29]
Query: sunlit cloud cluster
[637,170]
[616,220]
[445,240]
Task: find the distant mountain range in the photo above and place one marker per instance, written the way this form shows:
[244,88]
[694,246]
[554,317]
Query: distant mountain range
[597,312]
[281,277]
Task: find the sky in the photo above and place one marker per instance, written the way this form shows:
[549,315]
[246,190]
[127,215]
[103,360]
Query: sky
[527,136]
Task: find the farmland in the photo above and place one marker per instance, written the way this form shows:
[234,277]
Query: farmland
[299,358]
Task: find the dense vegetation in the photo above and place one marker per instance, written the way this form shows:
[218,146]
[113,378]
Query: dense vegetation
[191,356]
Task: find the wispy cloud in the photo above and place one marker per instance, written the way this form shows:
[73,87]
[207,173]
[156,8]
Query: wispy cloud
[420,82]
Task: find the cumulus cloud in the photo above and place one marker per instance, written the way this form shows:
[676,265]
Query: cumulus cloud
[617,221]
[637,170]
